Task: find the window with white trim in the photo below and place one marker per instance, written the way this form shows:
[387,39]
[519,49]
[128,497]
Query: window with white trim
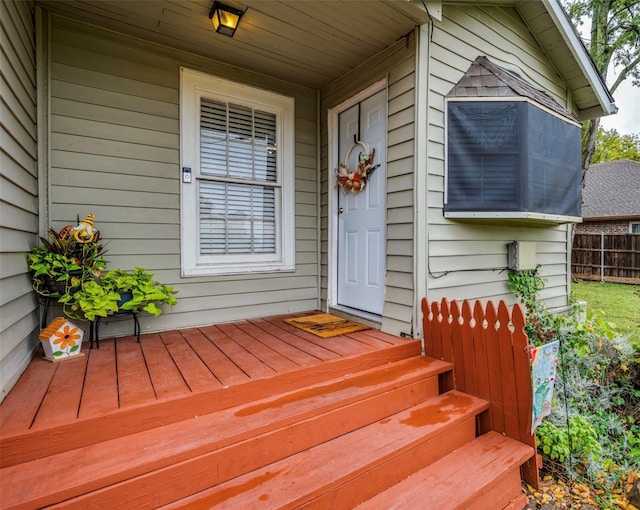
[237,209]
[634,228]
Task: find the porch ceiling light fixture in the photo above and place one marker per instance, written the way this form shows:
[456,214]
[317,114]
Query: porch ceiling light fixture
[225,19]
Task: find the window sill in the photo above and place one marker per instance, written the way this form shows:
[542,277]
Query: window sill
[235,270]
[513,217]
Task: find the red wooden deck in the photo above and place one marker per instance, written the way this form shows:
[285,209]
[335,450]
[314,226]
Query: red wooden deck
[172,373]
[231,414]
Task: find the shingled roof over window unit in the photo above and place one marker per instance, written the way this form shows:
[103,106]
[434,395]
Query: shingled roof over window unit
[485,79]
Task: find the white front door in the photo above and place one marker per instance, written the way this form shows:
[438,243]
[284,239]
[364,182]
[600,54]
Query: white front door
[362,216]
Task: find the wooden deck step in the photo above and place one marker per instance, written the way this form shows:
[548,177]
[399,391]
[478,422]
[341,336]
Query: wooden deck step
[19,444]
[153,467]
[483,474]
[351,468]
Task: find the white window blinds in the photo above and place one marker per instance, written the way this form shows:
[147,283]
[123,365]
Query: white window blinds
[237,211]
[239,190]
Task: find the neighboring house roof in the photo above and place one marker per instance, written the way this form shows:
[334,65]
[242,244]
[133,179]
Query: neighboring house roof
[612,191]
[486,79]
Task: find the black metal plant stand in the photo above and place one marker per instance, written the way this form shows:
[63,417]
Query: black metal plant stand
[94,326]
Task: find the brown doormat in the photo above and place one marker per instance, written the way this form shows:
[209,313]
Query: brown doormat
[326,325]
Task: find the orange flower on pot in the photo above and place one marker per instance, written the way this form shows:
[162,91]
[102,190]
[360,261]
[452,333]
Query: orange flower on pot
[61,339]
[67,337]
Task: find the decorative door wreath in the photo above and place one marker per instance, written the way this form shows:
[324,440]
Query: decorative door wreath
[356,180]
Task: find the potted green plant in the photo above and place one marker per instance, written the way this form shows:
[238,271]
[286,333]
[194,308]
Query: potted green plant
[139,291]
[89,301]
[119,291]
[66,259]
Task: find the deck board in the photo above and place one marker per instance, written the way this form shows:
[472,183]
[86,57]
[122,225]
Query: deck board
[100,394]
[68,381]
[273,327]
[247,362]
[300,358]
[220,366]
[195,373]
[363,337]
[134,382]
[274,360]
[21,405]
[166,378]
[391,339]
[344,345]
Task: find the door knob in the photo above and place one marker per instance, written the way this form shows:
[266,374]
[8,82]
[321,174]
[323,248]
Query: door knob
[340,210]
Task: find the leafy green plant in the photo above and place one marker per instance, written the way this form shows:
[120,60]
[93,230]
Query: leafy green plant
[557,443]
[598,383]
[61,263]
[69,265]
[119,290]
[592,434]
[90,301]
[46,265]
[527,284]
[146,293]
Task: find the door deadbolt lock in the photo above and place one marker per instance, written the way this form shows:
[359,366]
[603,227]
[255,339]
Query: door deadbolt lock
[340,210]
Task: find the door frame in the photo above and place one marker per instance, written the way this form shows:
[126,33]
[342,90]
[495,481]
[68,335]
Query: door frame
[332,214]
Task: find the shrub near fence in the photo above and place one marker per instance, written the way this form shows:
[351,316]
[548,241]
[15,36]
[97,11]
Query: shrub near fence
[611,258]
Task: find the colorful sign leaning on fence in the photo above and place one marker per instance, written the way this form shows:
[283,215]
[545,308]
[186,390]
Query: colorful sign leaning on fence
[544,361]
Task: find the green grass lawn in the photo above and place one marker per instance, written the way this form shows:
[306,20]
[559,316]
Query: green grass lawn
[620,303]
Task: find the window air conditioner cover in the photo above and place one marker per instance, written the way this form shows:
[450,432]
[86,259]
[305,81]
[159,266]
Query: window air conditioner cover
[511,157]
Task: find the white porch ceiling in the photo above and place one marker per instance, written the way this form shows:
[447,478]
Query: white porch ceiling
[310,42]
[314,42]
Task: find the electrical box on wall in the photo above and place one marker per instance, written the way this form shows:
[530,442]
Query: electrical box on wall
[521,255]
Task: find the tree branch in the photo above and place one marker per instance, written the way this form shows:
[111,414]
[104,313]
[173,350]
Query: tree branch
[623,74]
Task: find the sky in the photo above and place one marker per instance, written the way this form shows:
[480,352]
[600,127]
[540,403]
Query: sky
[627,120]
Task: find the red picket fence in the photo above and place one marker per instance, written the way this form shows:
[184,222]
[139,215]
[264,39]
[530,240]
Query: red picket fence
[489,350]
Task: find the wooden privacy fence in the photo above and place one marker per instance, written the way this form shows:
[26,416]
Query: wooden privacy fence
[606,257]
[489,350]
